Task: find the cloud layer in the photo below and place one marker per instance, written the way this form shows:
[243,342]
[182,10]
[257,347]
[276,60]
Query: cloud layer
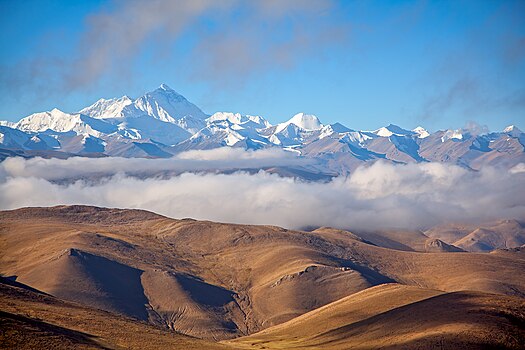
[381,195]
[218,159]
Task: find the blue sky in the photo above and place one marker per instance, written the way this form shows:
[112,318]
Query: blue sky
[440,64]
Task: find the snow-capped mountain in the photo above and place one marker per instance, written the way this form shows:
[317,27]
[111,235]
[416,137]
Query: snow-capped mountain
[162,115]
[392,129]
[452,135]
[162,123]
[421,132]
[61,122]
[107,109]
[295,131]
[303,121]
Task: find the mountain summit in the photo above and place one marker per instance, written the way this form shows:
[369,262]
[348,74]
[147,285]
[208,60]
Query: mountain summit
[392,129]
[162,123]
[165,105]
[304,121]
[107,109]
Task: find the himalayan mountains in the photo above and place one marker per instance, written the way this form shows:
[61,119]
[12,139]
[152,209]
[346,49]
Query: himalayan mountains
[162,123]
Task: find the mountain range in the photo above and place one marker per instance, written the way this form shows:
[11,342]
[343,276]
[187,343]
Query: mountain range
[163,123]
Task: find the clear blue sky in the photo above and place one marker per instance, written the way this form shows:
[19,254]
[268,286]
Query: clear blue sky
[440,64]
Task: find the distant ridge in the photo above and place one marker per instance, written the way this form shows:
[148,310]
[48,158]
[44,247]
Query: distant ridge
[162,123]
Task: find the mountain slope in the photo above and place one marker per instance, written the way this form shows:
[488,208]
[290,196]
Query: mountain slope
[501,234]
[98,281]
[32,320]
[258,276]
[107,109]
[166,120]
[400,317]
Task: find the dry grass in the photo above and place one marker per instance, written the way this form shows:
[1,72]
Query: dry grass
[222,281]
[36,321]
[396,316]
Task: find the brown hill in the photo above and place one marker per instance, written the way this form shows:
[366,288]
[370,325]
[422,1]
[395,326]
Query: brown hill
[500,234]
[434,245]
[407,240]
[401,317]
[32,320]
[220,281]
[452,237]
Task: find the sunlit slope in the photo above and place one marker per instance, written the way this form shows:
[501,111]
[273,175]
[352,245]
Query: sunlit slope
[220,281]
[402,317]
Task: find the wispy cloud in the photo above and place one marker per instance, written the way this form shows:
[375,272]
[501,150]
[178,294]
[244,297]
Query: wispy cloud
[247,36]
[273,34]
[462,90]
[474,77]
[468,96]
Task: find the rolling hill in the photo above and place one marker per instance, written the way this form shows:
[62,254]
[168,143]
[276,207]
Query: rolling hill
[33,320]
[222,281]
[394,316]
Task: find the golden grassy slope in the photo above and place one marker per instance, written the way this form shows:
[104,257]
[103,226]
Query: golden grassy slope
[396,316]
[499,234]
[219,281]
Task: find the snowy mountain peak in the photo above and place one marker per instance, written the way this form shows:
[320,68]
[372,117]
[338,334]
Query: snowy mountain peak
[331,129]
[162,122]
[239,120]
[452,135]
[165,90]
[392,129]
[421,132]
[55,113]
[512,129]
[304,121]
[234,118]
[110,108]
[55,120]
[339,128]
[165,105]
[165,87]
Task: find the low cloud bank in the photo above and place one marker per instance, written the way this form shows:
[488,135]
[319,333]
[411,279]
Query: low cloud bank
[218,159]
[381,195]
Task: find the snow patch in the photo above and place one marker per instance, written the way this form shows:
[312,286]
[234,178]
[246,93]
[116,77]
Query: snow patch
[452,135]
[304,121]
[421,132]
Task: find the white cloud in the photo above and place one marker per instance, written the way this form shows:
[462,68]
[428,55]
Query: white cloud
[218,159]
[381,195]
[518,168]
[236,154]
